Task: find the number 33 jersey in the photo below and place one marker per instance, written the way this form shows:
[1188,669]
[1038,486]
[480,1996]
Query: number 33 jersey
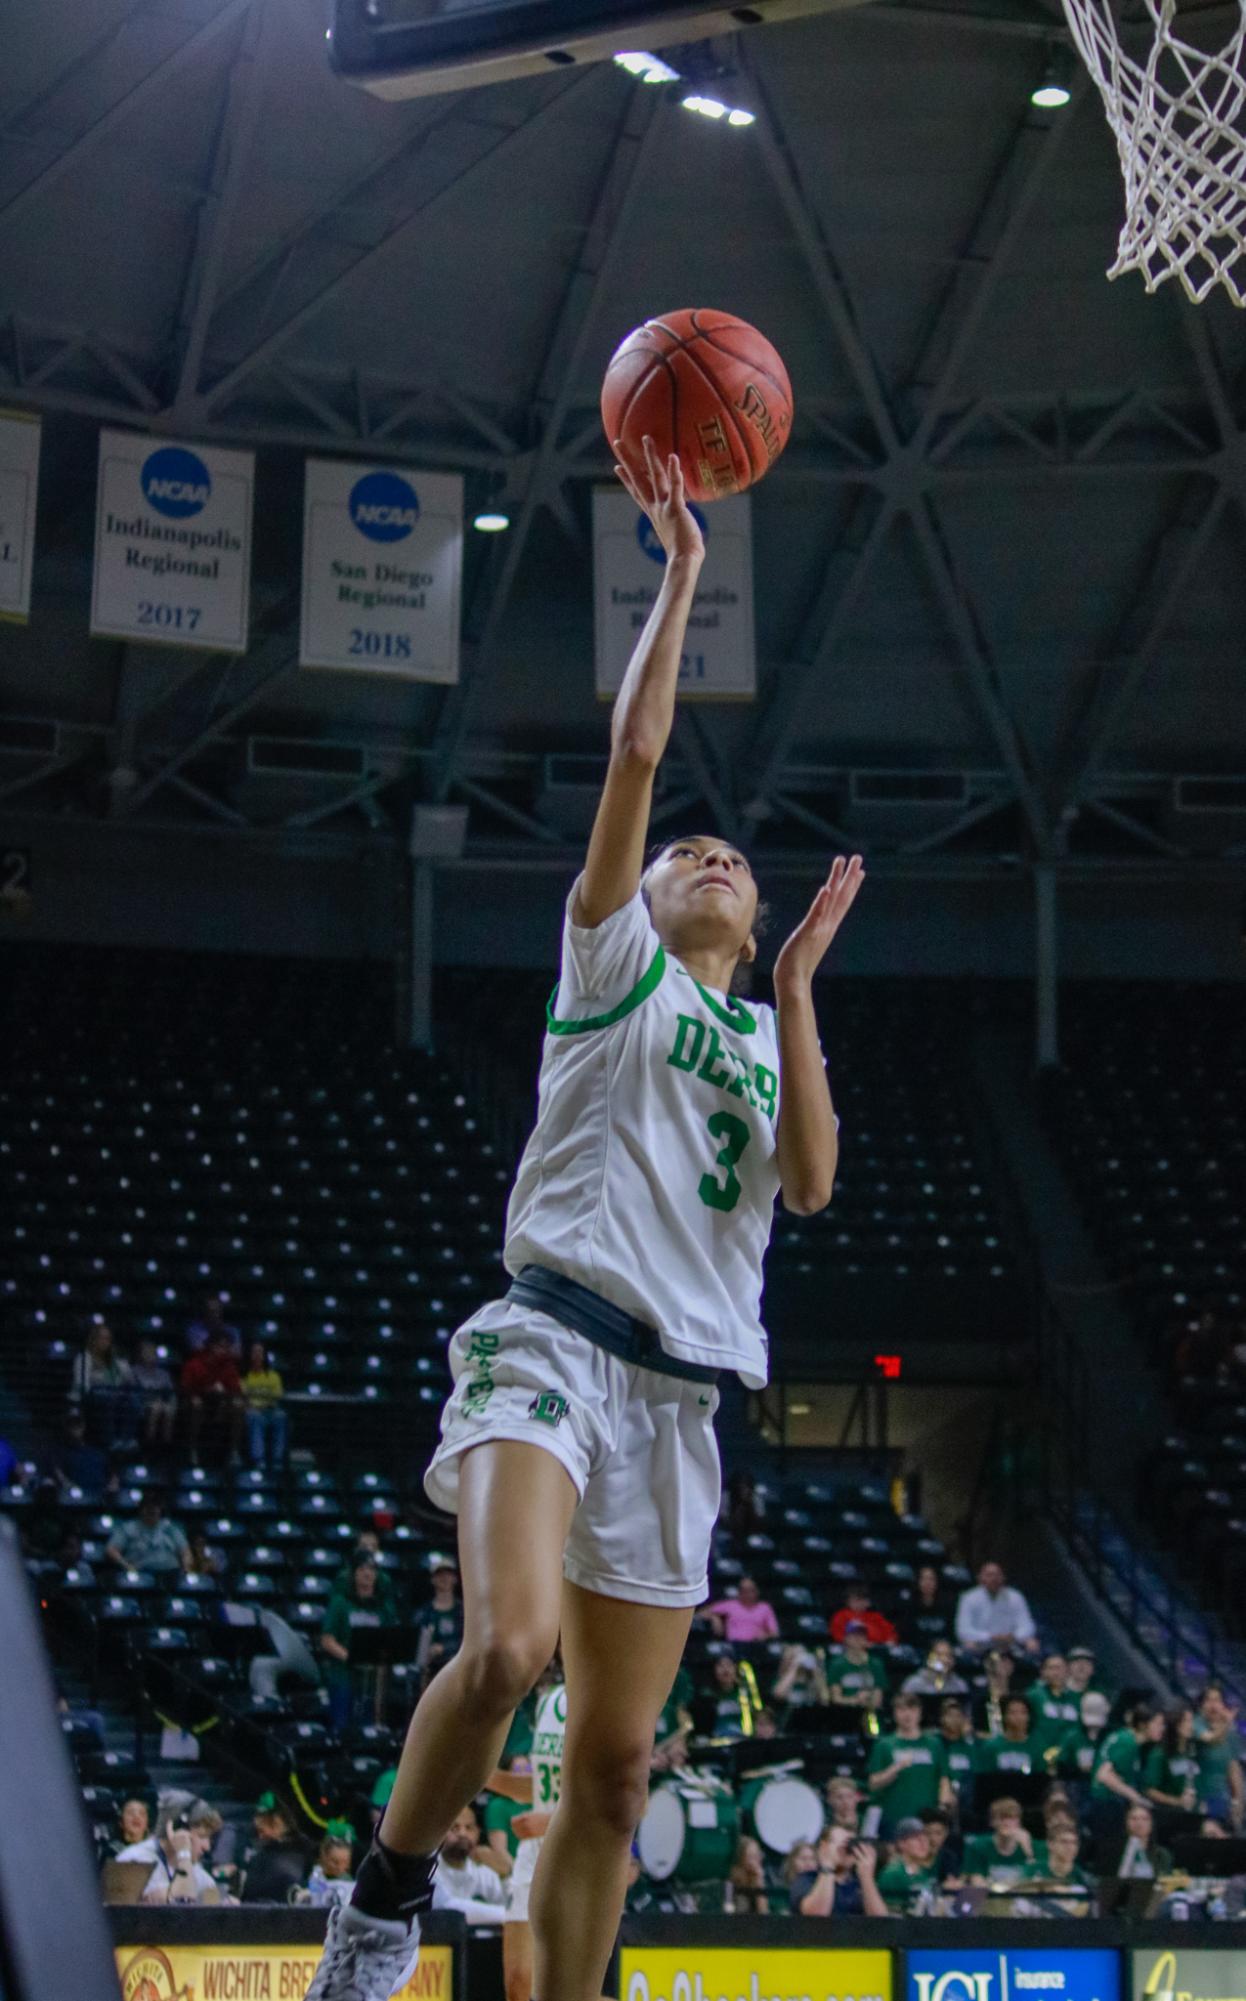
[652,1172]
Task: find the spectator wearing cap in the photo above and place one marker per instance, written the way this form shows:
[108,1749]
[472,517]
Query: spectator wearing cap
[1053,1706]
[746,1618]
[909,1872]
[275,1861]
[1135,1853]
[1081,1662]
[1002,1856]
[150,1542]
[1012,1750]
[440,1622]
[1118,1777]
[906,1770]
[842,1882]
[879,1630]
[938,1676]
[993,1614]
[211,1391]
[1220,1756]
[856,1675]
[211,1321]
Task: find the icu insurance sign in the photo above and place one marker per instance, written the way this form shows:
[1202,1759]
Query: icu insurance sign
[382,562]
[1075,1975]
[628,561]
[19,480]
[1164,1975]
[172,543]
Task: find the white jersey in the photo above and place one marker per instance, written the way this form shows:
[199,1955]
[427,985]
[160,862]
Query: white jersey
[652,1173]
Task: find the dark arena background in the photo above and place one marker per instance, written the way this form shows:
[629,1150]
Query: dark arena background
[314,592]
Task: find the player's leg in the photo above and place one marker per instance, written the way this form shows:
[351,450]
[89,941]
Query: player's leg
[517,1960]
[620,1660]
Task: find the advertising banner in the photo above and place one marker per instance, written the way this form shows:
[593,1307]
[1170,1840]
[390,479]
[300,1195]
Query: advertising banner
[1160,1974]
[19,485]
[740,1973]
[382,564]
[172,543]
[253,1973]
[628,560]
[1073,1975]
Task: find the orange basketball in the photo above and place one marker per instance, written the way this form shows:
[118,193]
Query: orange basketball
[707,386]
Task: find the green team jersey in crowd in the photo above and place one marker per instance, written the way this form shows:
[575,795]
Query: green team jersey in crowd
[898,1885]
[1040,1871]
[1081,1753]
[500,1813]
[1215,1755]
[959,1762]
[1000,1754]
[1171,1775]
[847,1680]
[1124,1754]
[983,1858]
[679,1698]
[547,1743]
[1051,1717]
[918,1785]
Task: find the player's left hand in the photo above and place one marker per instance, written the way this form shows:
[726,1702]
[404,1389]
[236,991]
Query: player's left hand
[810,941]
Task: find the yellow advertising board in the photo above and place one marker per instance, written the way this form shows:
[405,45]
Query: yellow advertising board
[253,1973]
[743,1973]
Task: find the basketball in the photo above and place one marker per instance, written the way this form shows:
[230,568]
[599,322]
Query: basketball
[707,386]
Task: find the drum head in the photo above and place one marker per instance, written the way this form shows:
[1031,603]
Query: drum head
[787,1811]
[661,1835]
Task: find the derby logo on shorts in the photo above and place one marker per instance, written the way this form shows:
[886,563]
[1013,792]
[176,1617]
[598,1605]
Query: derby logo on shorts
[384,506]
[175,482]
[547,1407]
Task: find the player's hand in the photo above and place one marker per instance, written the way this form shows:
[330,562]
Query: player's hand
[530,1826]
[810,941]
[659,492]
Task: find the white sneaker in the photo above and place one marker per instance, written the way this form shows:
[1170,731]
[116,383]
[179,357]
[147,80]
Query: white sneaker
[365,1958]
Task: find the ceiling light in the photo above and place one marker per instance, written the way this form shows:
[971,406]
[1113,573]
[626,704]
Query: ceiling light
[741,118]
[709,107]
[1052,93]
[491,522]
[800,1410]
[650,69]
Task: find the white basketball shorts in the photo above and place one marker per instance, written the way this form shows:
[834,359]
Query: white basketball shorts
[638,1446]
[519,1883]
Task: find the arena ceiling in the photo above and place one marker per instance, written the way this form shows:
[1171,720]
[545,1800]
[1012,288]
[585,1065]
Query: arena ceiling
[1003,553]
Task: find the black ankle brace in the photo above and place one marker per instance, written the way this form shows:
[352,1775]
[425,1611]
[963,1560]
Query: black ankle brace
[390,1885]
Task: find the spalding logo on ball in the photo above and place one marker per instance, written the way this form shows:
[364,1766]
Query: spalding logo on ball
[707,386]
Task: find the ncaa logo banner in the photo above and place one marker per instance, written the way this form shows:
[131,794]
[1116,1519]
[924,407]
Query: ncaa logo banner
[719,662]
[1197,1975]
[19,485]
[382,567]
[172,543]
[1075,1975]
[737,1973]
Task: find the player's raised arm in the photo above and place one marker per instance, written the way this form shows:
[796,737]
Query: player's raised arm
[645,706]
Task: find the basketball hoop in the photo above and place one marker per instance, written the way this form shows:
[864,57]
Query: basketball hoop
[1180,126]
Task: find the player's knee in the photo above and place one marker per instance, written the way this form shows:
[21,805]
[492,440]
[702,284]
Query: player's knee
[501,1668]
[614,1785]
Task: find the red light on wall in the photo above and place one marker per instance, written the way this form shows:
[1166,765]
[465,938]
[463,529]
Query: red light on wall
[888,1365]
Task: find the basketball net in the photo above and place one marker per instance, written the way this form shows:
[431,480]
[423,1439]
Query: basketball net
[1180,126]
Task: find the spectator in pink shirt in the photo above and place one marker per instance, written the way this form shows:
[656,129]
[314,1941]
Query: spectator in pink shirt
[745,1617]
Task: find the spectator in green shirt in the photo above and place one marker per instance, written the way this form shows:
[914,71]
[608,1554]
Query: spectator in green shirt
[1013,1750]
[1082,1747]
[909,1872]
[1053,1705]
[1220,1753]
[855,1676]
[1061,1867]
[958,1753]
[1003,1855]
[676,1714]
[1117,1780]
[906,1769]
[499,1813]
[1081,1671]
[346,1613]
[1170,1774]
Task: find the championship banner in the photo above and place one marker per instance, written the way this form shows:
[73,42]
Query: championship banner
[19,485]
[1072,1975]
[254,1973]
[1196,1975]
[382,568]
[719,662]
[738,1973]
[172,543]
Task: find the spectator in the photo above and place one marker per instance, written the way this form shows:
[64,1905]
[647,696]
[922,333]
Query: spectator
[765,1723]
[842,1882]
[675,1714]
[928,1615]
[440,1622]
[1012,1750]
[747,1877]
[212,1321]
[843,1804]
[744,1510]
[1135,1852]
[801,1860]
[1081,1662]
[993,1687]
[500,1812]
[1053,1706]
[1082,1747]
[149,1542]
[368,1550]
[939,1676]
[1002,1856]
[1220,1784]
[157,1397]
[906,1769]
[908,1875]
[744,1618]
[1170,1774]
[879,1631]
[184,1833]
[263,1390]
[73,1462]
[468,1873]
[958,1753]
[206,1560]
[101,1386]
[275,1862]
[732,1705]
[347,1612]
[332,1878]
[854,1675]
[133,1826]
[212,1393]
[993,1614]
[1061,1865]
[1117,1781]
[944,1858]
[800,1683]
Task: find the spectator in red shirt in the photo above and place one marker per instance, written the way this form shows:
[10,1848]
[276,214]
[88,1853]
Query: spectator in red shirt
[212,1395]
[878,1631]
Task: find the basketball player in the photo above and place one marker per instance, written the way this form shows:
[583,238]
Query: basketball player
[538,1790]
[577,1448]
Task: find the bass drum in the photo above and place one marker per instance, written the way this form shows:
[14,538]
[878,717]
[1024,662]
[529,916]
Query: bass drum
[781,1812]
[688,1835]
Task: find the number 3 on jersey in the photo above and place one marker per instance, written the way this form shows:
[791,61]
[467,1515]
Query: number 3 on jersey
[735,1136]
